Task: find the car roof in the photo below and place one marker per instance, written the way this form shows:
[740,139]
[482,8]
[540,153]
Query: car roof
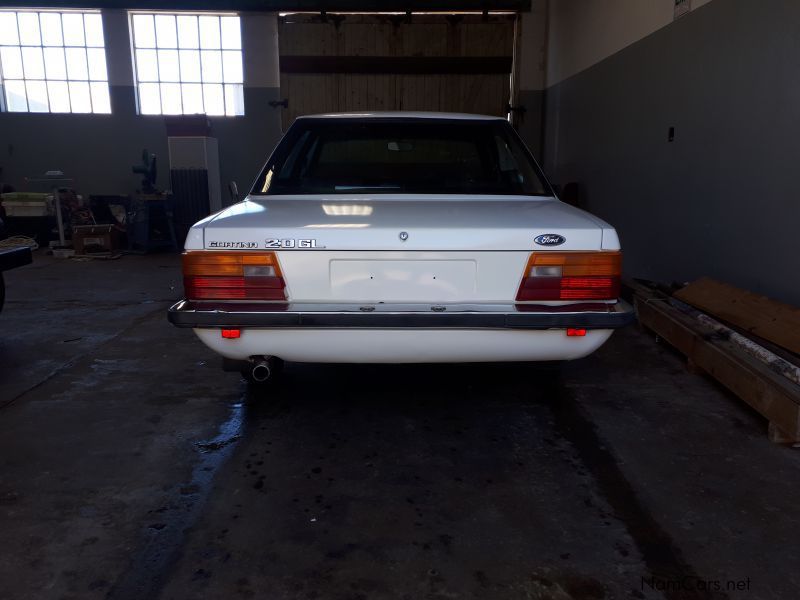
[401,114]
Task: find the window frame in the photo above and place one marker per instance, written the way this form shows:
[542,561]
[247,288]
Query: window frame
[64,47]
[180,82]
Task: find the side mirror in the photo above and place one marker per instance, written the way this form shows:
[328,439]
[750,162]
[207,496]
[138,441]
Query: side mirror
[234,190]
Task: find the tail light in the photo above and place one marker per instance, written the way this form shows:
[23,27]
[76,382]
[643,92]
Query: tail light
[232,276]
[571,276]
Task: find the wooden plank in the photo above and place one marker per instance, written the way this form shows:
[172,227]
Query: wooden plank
[396,64]
[777,436]
[383,62]
[774,321]
[773,396]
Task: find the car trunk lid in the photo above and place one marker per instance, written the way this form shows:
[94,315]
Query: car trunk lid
[394,222]
[395,248]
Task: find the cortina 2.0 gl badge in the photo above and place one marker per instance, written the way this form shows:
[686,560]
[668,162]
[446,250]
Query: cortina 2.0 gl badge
[549,239]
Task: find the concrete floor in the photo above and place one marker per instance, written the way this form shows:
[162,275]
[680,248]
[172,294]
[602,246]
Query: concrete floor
[133,467]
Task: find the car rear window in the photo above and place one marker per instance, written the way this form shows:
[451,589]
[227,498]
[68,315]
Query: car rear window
[346,156]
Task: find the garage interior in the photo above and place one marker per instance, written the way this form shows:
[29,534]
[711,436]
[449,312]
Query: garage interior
[662,466]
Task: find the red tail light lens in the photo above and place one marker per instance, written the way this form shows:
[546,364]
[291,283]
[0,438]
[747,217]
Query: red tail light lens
[232,276]
[571,276]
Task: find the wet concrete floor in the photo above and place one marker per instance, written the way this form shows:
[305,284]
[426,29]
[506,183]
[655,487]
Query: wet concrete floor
[131,466]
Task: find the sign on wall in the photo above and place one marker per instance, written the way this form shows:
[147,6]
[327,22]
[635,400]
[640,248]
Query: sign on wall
[682,7]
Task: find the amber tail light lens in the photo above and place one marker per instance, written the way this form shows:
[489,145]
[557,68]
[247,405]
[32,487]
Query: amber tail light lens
[571,276]
[232,276]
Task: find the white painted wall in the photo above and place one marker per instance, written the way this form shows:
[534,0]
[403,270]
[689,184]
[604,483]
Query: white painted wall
[260,49]
[581,33]
[119,56]
[75,141]
[532,57]
[728,172]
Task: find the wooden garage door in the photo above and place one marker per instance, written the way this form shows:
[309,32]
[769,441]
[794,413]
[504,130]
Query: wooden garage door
[340,63]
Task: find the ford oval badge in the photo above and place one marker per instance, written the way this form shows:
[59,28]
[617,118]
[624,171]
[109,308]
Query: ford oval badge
[550,239]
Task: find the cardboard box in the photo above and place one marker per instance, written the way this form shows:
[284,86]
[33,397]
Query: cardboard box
[88,239]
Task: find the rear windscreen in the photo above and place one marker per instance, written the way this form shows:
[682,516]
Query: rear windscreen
[349,156]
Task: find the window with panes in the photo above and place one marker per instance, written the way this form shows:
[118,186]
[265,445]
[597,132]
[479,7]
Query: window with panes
[188,63]
[53,61]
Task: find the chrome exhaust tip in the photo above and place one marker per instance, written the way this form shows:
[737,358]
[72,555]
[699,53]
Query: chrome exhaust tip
[261,370]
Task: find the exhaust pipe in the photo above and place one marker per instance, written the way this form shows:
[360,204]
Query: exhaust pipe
[262,369]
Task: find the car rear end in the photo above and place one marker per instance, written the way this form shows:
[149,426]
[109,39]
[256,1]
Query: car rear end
[401,240]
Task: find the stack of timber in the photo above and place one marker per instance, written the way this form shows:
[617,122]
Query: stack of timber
[749,343]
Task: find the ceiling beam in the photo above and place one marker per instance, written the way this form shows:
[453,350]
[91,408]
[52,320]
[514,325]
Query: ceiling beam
[288,5]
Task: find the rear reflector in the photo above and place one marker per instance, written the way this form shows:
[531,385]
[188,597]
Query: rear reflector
[576,332]
[231,334]
[232,276]
[571,276]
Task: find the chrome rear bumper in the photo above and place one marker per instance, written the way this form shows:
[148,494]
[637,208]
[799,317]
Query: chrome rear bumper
[390,316]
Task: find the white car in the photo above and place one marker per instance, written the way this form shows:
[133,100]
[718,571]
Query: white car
[400,238]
